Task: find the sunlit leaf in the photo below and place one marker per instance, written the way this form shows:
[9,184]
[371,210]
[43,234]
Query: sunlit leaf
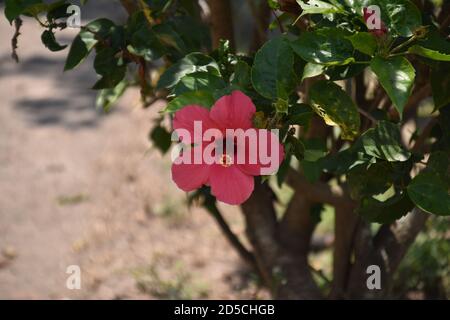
[396,75]
[335,107]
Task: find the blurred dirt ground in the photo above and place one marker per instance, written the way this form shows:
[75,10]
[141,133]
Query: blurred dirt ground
[78,187]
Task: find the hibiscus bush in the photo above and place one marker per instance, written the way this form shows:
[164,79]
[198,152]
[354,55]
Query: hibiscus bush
[357,91]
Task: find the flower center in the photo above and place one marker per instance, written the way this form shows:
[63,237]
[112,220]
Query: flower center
[225,160]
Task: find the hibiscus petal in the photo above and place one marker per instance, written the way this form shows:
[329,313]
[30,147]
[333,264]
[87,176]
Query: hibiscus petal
[190,176]
[268,160]
[185,117]
[233,111]
[230,185]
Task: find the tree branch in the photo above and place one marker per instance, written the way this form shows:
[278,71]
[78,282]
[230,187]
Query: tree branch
[261,15]
[386,250]
[444,16]
[420,142]
[297,225]
[290,6]
[130,5]
[261,225]
[319,191]
[221,20]
[285,272]
[363,247]
[394,240]
[345,224]
[423,92]
[245,254]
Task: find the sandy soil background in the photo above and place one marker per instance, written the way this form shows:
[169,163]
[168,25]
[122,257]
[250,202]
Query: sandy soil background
[78,187]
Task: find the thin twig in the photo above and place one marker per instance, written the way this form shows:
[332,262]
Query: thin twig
[421,93]
[15,39]
[399,54]
[280,25]
[320,274]
[255,13]
[424,135]
[232,238]
[129,5]
[404,44]
[367,115]
[445,24]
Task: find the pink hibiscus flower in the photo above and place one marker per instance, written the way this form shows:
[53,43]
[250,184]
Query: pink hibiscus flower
[378,32]
[231,181]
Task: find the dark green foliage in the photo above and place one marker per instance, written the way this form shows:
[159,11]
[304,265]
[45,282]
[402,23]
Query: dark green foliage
[363,147]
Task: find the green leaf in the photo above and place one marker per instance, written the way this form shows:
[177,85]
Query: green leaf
[378,189]
[198,81]
[335,107]
[201,98]
[396,75]
[79,50]
[14,8]
[384,142]
[111,68]
[49,40]
[58,10]
[111,79]
[315,149]
[386,211]
[336,73]
[429,53]
[438,164]
[117,38]
[364,42]
[430,194]
[378,192]
[347,159]
[144,43]
[273,4]
[162,139]
[312,170]
[324,46]
[296,147]
[107,97]
[314,154]
[191,63]
[167,36]
[429,190]
[299,114]
[86,40]
[105,60]
[272,72]
[35,9]
[242,75]
[312,70]
[142,40]
[372,180]
[101,27]
[319,7]
[400,16]
[434,47]
[195,34]
[440,84]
